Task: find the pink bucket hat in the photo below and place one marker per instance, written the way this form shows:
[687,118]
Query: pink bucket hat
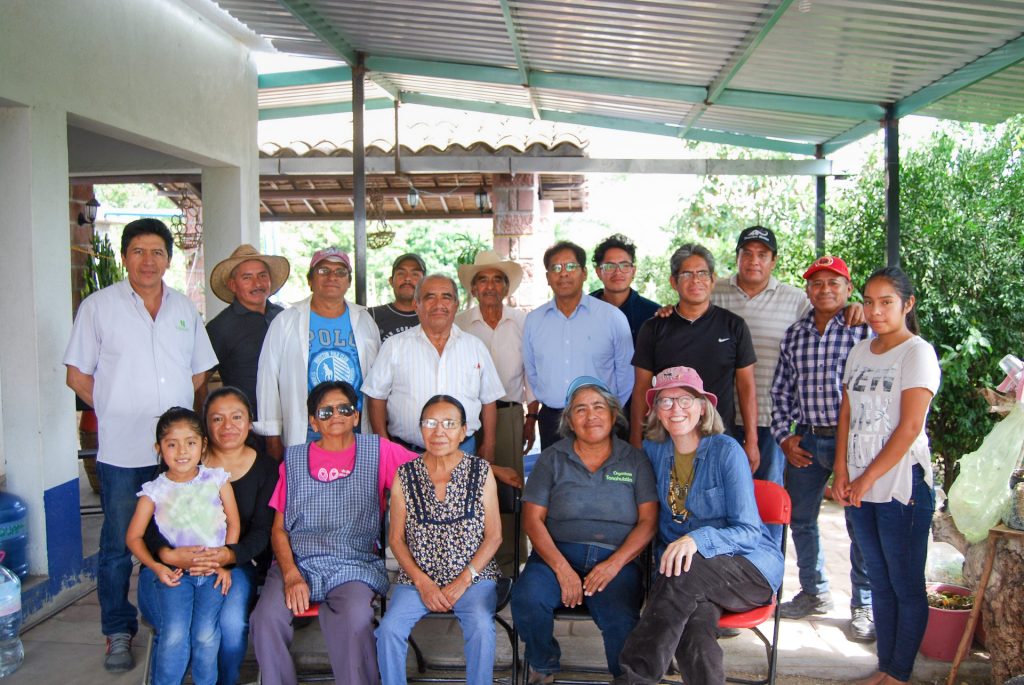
[679,377]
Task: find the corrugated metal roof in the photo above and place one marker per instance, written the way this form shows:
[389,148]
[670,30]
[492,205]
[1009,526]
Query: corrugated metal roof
[753,72]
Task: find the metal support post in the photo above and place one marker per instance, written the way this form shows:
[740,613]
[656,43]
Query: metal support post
[359,181]
[892,188]
[819,207]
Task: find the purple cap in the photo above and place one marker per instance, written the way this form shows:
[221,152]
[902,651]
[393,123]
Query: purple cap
[679,377]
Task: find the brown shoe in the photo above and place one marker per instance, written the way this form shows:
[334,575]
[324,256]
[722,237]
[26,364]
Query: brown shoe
[538,678]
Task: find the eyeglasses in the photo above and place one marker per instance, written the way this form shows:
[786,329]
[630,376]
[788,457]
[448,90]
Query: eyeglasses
[683,402]
[324,271]
[702,275]
[568,268]
[447,424]
[612,267]
[324,413]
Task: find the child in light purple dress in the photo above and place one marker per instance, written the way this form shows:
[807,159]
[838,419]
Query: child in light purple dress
[192,505]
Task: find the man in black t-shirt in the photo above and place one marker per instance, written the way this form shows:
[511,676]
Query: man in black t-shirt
[712,340]
[400,315]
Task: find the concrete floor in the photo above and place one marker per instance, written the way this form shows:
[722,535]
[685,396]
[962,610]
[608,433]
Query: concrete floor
[68,647]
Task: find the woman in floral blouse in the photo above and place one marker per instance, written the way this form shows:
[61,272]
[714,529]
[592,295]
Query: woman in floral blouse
[444,533]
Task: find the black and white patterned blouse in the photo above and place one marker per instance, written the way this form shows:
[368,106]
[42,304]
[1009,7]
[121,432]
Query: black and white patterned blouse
[444,536]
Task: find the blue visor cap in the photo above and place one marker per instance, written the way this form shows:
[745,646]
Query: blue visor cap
[582,381]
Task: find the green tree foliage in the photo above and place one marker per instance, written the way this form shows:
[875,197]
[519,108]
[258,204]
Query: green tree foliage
[962,234]
[442,244]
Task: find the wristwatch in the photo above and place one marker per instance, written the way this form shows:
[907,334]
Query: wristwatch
[474,574]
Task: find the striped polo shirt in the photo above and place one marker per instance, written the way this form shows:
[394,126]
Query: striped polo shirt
[768,314]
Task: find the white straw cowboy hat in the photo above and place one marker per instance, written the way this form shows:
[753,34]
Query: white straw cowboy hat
[489,259]
[278,266]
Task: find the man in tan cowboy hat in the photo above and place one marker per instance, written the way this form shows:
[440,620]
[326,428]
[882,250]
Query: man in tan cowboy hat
[244,280]
[490,280]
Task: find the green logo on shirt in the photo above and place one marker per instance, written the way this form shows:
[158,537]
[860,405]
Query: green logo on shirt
[619,477]
[182,326]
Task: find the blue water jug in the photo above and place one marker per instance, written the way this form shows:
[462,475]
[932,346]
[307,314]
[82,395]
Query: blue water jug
[14,533]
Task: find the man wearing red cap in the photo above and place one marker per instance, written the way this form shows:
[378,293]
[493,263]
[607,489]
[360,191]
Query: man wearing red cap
[322,338]
[806,394]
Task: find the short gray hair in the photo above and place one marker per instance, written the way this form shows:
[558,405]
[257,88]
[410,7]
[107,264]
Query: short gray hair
[687,250]
[711,424]
[565,420]
[436,276]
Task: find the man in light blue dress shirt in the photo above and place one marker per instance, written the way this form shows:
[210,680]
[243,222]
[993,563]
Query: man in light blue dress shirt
[573,335]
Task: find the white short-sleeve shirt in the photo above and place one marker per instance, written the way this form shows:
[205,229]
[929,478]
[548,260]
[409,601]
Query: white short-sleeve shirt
[874,384]
[505,343]
[141,366]
[408,371]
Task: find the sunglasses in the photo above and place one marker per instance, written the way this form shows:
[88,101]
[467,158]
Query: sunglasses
[324,413]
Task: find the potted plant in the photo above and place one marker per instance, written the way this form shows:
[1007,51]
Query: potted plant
[101,269]
[949,608]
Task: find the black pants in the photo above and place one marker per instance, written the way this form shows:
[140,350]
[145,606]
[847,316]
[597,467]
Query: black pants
[547,423]
[681,618]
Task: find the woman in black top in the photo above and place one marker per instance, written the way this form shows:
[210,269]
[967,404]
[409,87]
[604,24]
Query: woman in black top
[228,418]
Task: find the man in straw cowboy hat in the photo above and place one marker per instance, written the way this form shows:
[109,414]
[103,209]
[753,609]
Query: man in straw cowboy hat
[490,280]
[245,280]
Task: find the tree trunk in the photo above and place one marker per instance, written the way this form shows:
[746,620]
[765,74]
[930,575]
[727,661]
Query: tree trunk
[1002,613]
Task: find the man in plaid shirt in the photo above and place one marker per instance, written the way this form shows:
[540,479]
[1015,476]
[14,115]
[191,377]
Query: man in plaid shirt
[806,394]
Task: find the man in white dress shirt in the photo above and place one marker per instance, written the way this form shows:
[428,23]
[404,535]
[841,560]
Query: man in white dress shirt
[435,357]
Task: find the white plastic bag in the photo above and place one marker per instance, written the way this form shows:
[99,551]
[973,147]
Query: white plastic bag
[980,497]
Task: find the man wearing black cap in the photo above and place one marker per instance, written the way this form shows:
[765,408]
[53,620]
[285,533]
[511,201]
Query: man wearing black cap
[769,308]
[400,315]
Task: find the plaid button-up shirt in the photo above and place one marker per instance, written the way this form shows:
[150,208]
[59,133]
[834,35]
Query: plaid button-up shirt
[808,383]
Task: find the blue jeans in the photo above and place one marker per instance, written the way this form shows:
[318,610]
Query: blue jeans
[773,461]
[894,539]
[114,566]
[475,611]
[806,487]
[189,629]
[537,594]
[234,618]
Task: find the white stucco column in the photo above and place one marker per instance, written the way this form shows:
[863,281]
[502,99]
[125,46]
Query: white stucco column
[230,218]
[39,445]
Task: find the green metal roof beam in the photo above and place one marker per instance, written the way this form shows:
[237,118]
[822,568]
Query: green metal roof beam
[981,68]
[306,77]
[616,123]
[308,15]
[797,104]
[468,105]
[304,12]
[513,37]
[445,70]
[862,129]
[752,42]
[322,108]
[599,85]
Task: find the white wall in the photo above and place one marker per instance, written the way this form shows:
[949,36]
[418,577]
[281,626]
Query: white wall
[152,73]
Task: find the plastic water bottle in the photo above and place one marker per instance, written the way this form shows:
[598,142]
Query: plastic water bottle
[12,652]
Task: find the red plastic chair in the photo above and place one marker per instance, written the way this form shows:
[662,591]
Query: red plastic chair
[774,507]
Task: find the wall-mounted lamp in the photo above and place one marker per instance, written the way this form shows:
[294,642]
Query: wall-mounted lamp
[483,203]
[89,215]
[413,198]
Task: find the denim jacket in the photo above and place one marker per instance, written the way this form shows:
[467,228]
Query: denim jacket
[723,513]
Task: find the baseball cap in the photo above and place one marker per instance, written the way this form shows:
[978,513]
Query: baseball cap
[409,256]
[333,254]
[828,263]
[759,234]
[582,381]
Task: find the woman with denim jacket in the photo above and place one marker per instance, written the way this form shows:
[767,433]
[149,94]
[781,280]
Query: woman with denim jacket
[715,554]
